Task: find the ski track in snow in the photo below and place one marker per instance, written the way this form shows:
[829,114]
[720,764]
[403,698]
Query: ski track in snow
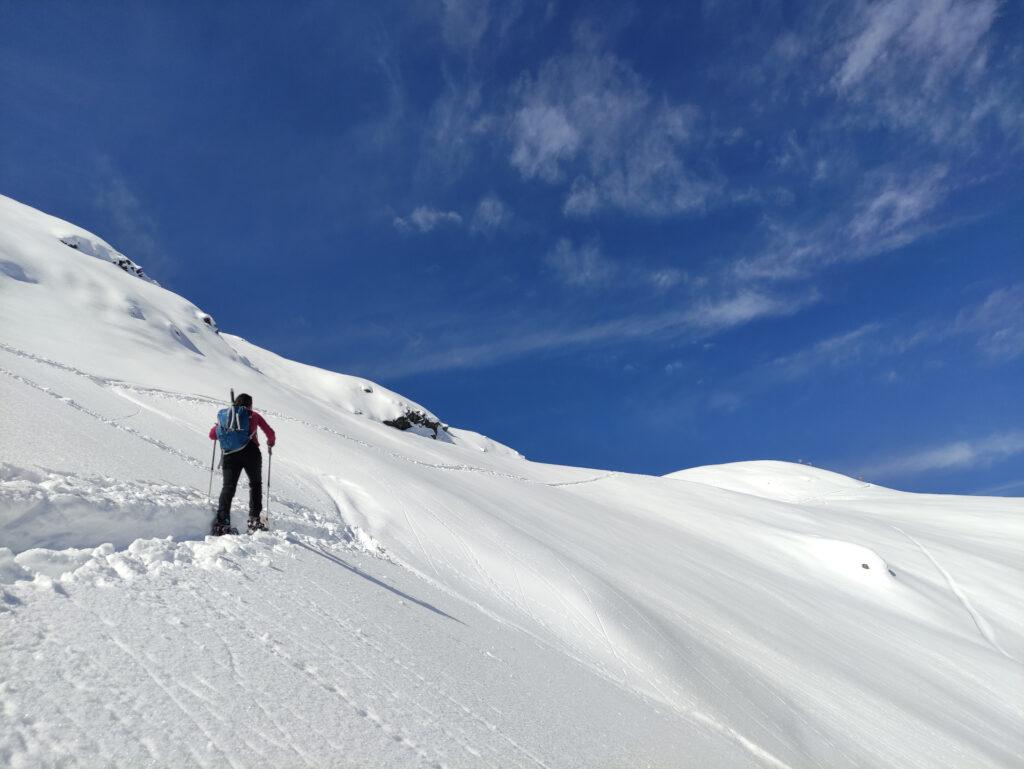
[984,628]
[112,422]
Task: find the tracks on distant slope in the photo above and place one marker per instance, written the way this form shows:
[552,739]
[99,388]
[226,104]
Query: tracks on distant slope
[118,385]
[110,421]
[979,621]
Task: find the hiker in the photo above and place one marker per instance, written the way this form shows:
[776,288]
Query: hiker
[236,430]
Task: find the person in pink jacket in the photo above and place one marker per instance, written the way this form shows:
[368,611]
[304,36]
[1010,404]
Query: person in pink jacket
[249,459]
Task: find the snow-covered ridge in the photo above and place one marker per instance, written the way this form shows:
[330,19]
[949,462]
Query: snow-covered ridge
[446,603]
[101,250]
[65,302]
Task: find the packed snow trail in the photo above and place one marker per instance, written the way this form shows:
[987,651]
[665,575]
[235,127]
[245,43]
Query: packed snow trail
[446,602]
[270,651]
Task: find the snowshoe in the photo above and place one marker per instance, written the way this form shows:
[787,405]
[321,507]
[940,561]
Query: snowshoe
[256,523]
[220,529]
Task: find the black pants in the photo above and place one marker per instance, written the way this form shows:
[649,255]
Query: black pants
[251,460]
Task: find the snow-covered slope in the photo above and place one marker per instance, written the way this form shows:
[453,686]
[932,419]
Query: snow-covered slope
[783,481]
[425,602]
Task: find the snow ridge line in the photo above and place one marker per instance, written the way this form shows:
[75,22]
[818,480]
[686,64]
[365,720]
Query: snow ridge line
[979,621]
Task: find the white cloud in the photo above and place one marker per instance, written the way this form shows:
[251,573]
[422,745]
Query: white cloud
[583,199]
[589,116]
[490,214]
[898,206]
[892,211]
[953,455]
[666,278]
[425,219]
[834,352]
[998,323]
[919,65]
[544,138]
[740,308]
[703,319]
[936,37]
[583,267]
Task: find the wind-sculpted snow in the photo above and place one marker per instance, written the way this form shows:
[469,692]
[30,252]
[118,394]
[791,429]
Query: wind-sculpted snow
[419,603]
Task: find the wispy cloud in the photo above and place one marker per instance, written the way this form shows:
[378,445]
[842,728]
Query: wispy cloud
[133,230]
[466,23]
[889,216]
[425,219]
[544,138]
[1000,488]
[581,266]
[665,278]
[921,66]
[491,214]
[998,323]
[586,265]
[699,319]
[454,127]
[948,456]
[915,101]
[743,307]
[938,37]
[892,211]
[588,119]
[833,352]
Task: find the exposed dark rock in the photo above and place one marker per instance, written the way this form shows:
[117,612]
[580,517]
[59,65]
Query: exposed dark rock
[100,251]
[410,418]
[208,320]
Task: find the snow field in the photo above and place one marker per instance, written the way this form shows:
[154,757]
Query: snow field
[448,603]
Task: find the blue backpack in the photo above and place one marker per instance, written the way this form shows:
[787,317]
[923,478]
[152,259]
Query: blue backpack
[233,429]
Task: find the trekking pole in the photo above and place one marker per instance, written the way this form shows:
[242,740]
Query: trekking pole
[209,491]
[270,461]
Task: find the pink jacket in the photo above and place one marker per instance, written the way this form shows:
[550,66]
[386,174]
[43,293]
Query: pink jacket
[255,420]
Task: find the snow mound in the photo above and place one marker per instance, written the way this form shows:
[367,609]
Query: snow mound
[771,479]
[857,564]
[42,508]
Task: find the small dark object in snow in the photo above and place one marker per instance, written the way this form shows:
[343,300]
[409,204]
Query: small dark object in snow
[892,572]
[367,388]
[864,566]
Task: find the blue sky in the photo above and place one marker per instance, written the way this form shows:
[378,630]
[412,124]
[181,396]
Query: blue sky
[639,237]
